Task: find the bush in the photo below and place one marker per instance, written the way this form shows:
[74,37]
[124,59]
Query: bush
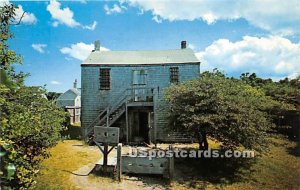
[226,109]
[30,124]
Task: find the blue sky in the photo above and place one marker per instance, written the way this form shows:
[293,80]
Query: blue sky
[235,36]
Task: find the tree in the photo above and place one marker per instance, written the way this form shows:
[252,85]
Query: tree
[286,91]
[29,123]
[53,95]
[226,109]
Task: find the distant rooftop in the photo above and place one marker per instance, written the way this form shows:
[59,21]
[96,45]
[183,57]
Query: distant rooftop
[70,94]
[185,55]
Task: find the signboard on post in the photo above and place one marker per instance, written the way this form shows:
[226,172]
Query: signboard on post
[109,135]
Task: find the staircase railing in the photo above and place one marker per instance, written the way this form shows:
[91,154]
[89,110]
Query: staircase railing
[118,102]
[105,114]
[108,110]
[98,119]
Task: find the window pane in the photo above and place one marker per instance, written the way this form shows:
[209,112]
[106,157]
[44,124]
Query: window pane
[105,79]
[139,77]
[174,75]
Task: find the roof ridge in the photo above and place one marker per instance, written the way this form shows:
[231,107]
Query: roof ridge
[142,57]
[143,50]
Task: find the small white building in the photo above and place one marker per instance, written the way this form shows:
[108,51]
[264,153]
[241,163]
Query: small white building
[71,101]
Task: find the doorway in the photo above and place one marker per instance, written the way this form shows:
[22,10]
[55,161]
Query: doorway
[144,126]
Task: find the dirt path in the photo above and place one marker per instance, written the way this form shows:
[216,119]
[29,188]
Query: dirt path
[90,182]
[96,183]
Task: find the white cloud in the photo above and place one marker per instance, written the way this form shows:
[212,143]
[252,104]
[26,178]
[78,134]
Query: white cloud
[65,16]
[80,50]
[157,19]
[61,15]
[55,24]
[39,47]
[28,18]
[191,46]
[55,82]
[272,56]
[275,16]
[114,9]
[91,27]
[294,75]
[3,2]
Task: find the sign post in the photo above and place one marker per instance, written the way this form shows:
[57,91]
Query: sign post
[106,136]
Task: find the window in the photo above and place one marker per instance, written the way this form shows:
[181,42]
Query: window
[174,75]
[104,79]
[139,77]
[77,111]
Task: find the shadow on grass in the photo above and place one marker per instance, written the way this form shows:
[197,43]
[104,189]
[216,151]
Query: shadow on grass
[213,170]
[154,181]
[295,151]
[72,132]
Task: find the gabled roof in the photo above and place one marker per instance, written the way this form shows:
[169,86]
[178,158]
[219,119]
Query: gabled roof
[70,94]
[141,57]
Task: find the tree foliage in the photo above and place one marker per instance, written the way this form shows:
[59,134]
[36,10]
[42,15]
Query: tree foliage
[53,95]
[29,123]
[286,91]
[226,109]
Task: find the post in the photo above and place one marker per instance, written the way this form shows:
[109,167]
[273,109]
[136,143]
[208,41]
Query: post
[119,162]
[105,153]
[171,164]
[107,117]
[149,128]
[127,130]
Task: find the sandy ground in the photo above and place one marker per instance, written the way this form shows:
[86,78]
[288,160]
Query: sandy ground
[90,182]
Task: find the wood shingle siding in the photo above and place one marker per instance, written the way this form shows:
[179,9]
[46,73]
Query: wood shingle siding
[155,76]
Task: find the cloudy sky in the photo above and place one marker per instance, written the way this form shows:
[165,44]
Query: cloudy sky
[261,36]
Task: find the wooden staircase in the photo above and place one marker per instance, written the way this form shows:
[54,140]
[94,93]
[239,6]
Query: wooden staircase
[113,112]
[107,118]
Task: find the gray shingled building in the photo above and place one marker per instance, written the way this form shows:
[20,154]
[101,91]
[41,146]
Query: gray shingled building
[125,89]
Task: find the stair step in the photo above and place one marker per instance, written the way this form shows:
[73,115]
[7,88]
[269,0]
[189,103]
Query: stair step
[113,116]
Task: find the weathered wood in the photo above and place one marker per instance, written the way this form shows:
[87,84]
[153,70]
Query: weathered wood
[107,117]
[142,165]
[111,148]
[127,127]
[105,154]
[99,146]
[106,135]
[158,76]
[171,164]
[109,135]
[119,162]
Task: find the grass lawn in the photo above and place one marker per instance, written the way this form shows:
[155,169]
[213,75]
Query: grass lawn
[277,169]
[66,157]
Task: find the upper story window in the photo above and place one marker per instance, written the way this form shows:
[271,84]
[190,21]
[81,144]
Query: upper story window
[105,79]
[174,75]
[139,77]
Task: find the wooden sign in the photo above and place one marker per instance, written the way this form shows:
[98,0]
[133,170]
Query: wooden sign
[109,135]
